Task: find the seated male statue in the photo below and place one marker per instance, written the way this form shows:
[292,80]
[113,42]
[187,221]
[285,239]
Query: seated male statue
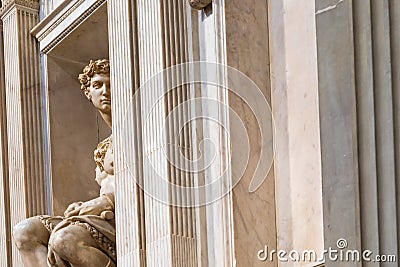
[85,235]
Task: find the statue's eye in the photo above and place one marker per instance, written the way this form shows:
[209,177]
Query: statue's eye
[96,85]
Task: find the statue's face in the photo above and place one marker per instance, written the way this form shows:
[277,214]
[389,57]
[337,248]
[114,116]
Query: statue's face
[100,92]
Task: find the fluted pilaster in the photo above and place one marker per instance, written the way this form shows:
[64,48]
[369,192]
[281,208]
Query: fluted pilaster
[5,248]
[169,238]
[170,233]
[127,147]
[158,232]
[24,112]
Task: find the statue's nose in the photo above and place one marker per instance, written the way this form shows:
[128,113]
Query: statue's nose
[106,89]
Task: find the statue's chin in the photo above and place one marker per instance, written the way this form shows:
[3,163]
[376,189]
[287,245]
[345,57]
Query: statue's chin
[106,109]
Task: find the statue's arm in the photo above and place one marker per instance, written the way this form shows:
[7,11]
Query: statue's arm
[105,202]
[95,206]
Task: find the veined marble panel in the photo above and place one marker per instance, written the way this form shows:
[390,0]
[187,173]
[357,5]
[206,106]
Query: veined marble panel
[254,213]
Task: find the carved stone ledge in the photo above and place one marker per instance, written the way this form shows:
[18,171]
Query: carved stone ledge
[7,4]
[199,4]
[63,20]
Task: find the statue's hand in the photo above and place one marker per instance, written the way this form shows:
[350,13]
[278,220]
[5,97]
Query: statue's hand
[72,209]
[92,207]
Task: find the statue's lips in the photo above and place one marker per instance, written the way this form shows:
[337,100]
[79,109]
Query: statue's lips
[106,101]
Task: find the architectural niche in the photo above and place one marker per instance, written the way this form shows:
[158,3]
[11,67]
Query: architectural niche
[54,240]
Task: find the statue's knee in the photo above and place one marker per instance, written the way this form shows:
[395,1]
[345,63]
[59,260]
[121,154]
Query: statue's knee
[65,242]
[29,233]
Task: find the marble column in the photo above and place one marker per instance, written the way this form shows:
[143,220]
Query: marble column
[376,63]
[170,231]
[294,81]
[24,114]
[123,45]
[338,119]
[158,234]
[358,61]
[215,220]
[337,101]
[5,244]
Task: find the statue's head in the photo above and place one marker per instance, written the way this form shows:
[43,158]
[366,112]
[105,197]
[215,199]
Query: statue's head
[95,83]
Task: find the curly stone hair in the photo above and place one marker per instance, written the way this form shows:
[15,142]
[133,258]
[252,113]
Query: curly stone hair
[95,67]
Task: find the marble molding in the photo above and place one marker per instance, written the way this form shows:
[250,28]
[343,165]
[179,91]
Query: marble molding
[63,20]
[199,4]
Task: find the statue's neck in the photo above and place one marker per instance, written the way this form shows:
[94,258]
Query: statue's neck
[107,118]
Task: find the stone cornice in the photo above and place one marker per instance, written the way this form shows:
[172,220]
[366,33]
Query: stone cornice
[199,4]
[8,4]
[63,20]
[56,22]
